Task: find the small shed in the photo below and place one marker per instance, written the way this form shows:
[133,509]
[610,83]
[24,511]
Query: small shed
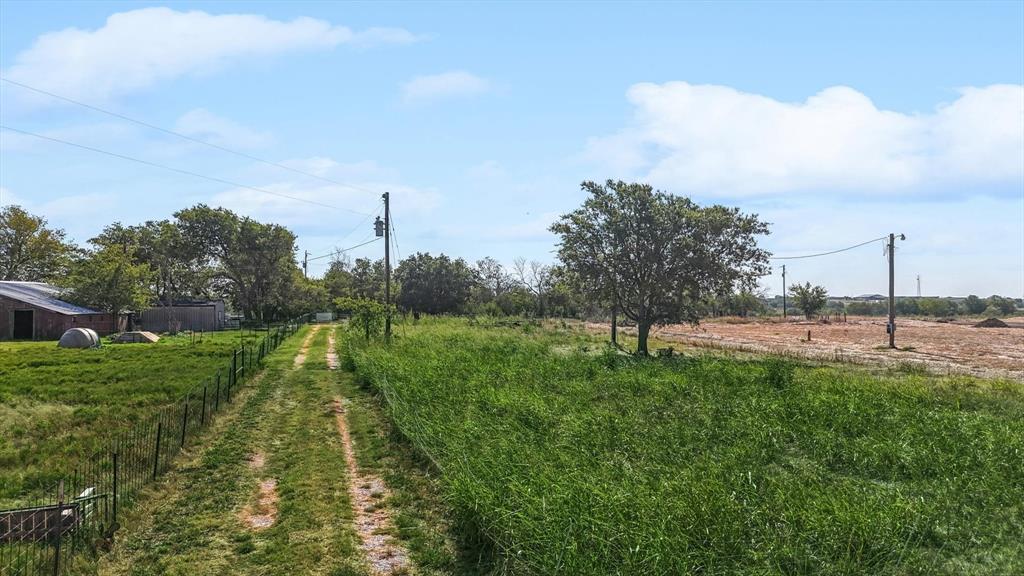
[196,315]
[34,311]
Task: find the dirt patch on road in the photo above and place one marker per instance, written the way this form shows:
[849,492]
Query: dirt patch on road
[332,357]
[263,512]
[257,460]
[372,518]
[300,358]
[940,347]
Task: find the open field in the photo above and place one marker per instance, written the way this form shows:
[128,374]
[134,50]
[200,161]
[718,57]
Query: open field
[571,459]
[937,346]
[58,406]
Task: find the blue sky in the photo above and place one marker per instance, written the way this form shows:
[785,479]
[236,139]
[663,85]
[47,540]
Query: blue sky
[836,122]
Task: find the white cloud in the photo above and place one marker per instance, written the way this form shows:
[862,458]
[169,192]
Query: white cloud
[408,202]
[452,84]
[207,126]
[138,48]
[716,140]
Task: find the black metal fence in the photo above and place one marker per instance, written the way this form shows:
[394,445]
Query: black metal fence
[76,518]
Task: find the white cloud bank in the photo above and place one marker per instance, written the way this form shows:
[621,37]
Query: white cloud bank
[457,83]
[138,48]
[716,140]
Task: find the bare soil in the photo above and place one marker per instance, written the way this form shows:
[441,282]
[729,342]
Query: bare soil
[373,522]
[942,347]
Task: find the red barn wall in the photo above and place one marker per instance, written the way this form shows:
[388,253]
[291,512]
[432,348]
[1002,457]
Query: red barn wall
[51,325]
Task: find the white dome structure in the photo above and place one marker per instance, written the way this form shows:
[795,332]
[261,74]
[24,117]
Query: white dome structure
[79,338]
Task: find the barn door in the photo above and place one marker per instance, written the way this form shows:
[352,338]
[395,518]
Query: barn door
[22,325]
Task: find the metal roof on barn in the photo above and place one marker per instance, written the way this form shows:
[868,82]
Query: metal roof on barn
[41,295]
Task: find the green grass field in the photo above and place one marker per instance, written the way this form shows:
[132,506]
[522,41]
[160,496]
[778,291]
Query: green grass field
[58,406]
[569,459]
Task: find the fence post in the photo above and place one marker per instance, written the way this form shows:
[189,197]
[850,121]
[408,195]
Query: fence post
[156,451]
[60,528]
[202,413]
[184,420]
[216,398]
[116,469]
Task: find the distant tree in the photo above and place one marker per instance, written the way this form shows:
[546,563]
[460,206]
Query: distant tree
[536,278]
[338,279]
[368,279]
[109,279]
[179,265]
[517,302]
[808,299]
[860,308]
[366,316]
[305,295]
[434,284]
[907,306]
[253,263]
[974,305]
[1006,306]
[30,250]
[936,307]
[492,280]
[658,255]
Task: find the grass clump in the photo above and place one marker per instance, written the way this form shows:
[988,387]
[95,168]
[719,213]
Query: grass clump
[581,463]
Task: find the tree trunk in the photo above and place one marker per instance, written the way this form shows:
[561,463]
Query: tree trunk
[643,329]
[615,324]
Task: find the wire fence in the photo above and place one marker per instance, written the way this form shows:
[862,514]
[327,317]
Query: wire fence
[77,517]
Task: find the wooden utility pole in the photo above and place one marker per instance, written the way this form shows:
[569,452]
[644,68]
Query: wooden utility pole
[387,266]
[305,265]
[891,326]
[783,290]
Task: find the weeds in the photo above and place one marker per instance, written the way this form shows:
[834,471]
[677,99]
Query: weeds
[603,464]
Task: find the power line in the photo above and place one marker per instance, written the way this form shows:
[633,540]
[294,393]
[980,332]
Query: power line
[827,253]
[344,250]
[179,170]
[186,137]
[394,237]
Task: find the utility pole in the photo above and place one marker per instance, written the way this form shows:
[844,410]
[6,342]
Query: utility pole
[305,264]
[891,326]
[387,267]
[783,290]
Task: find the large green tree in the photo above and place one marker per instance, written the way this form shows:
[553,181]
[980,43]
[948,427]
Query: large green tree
[109,279]
[30,250]
[179,263]
[434,284]
[657,254]
[253,263]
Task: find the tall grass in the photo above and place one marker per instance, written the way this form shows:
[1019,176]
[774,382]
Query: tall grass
[575,462]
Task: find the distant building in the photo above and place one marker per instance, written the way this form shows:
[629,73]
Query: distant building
[33,311]
[205,315]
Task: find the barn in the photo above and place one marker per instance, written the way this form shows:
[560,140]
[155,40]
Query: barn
[33,311]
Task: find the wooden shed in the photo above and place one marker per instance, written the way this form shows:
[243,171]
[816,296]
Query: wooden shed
[33,311]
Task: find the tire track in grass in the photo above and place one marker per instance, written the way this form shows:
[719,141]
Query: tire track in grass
[263,512]
[385,554]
